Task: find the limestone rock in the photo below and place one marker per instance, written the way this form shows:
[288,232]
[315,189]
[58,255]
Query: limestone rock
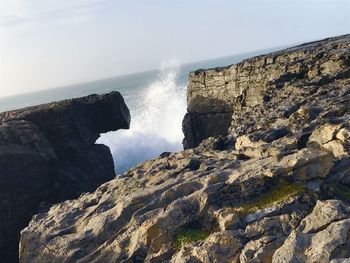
[323,235]
[221,247]
[292,88]
[308,163]
[337,148]
[249,190]
[275,225]
[325,134]
[261,250]
[323,214]
[227,219]
[343,134]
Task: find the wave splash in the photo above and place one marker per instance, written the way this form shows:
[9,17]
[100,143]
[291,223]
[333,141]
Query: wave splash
[156,123]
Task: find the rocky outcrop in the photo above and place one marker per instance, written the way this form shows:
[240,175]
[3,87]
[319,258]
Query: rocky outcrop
[322,236]
[238,98]
[48,154]
[275,189]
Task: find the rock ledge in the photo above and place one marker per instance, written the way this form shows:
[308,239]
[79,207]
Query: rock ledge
[48,154]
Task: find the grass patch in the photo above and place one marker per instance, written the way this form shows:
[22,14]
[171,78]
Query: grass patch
[189,235]
[275,195]
[340,190]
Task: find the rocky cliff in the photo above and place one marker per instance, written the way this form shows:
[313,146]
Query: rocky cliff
[230,98]
[275,189]
[48,154]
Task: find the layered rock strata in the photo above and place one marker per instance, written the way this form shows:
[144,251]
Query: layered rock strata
[237,98]
[276,189]
[48,154]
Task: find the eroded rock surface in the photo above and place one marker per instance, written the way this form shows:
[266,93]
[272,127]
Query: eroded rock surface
[48,154]
[275,189]
[262,92]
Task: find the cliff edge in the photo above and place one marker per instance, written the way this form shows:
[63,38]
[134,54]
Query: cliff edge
[239,98]
[274,188]
[48,154]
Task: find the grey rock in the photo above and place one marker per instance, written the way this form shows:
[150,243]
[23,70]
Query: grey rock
[261,250]
[48,154]
[321,234]
[272,108]
[323,214]
[300,83]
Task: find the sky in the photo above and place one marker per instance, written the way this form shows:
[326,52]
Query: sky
[50,43]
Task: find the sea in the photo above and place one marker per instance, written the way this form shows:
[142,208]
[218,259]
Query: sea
[156,100]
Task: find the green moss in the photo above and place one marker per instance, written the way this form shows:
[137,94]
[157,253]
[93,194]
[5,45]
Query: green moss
[340,190]
[189,235]
[277,194]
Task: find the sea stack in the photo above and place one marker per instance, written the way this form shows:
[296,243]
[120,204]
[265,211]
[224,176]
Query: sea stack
[272,185]
[48,155]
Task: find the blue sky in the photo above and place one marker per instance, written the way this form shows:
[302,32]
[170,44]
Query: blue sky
[50,43]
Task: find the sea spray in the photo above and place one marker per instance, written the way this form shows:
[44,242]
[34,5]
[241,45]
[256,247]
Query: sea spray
[156,122]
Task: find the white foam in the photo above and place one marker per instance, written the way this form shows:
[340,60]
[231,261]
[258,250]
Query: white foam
[155,123]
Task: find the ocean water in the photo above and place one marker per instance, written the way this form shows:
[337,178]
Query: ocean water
[157,103]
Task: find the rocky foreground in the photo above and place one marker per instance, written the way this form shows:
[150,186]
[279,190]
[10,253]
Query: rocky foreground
[274,188]
[48,154]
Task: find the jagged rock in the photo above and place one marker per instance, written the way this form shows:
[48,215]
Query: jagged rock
[220,247]
[324,213]
[261,214]
[149,211]
[308,163]
[248,190]
[324,134]
[148,205]
[323,236]
[337,148]
[271,142]
[274,225]
[227,219]
[48,154]
[260,250]
[292,88]
[343,134]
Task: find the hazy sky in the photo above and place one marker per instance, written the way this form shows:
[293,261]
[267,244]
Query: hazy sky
[49,43]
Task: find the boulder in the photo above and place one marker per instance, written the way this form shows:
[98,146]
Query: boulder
[322,236]
[260,250]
